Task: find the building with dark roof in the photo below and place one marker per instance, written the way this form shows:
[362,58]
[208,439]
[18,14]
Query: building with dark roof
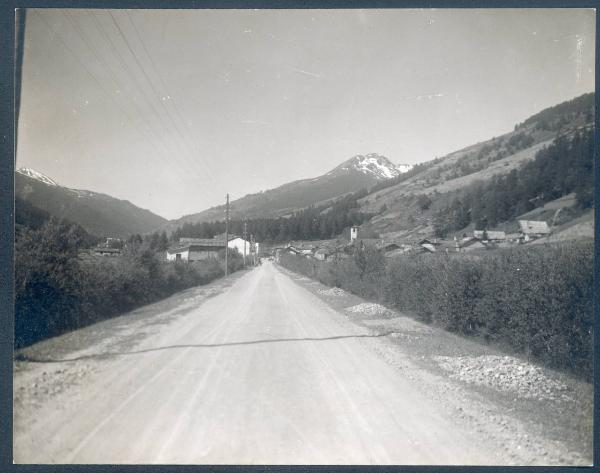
[201,249]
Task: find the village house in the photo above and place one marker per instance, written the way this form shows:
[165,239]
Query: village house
[532,229]
[105,251]
[111,247]
[428,246]
[234,242]
[513,237]
[238,243]
[470,244]
[489,235]
[199,249]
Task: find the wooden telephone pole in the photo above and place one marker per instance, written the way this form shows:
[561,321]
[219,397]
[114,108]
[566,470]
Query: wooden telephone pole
[226,233]
[245,233]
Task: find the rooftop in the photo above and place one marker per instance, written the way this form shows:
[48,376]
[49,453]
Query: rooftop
[198,244]
[534,227]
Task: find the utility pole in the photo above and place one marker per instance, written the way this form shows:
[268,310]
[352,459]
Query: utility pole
[245,233]
[252,250]
[21,14]
[226,232]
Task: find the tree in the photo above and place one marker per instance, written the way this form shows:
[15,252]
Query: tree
[163,242]
[423,201]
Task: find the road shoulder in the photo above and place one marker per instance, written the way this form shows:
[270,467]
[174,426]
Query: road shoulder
[536,416]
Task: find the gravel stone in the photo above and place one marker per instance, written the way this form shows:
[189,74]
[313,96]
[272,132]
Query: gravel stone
[334,291]
[504,373]
[371,309]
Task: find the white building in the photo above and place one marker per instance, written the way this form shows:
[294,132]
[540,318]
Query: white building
[242,245]
[200,249]
[194,249]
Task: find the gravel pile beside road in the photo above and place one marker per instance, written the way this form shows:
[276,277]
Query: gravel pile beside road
[505,373]
[39,383]
[334,291]
[371,309]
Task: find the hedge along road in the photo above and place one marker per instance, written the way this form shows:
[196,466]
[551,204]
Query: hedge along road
[263,373]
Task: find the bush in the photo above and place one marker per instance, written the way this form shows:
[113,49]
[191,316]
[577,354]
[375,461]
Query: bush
[55,291]
[536,300]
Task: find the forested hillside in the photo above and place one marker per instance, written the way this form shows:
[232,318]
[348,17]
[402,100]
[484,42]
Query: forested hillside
[99,214]
[563,167]
[312,223]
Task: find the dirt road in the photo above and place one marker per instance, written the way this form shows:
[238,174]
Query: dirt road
[264,372]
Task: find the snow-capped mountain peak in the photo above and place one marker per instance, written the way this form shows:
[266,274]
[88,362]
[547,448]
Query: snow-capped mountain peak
[404,167]
[38,176]
[374,164]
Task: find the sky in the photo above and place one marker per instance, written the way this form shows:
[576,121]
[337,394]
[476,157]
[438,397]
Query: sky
[172,109]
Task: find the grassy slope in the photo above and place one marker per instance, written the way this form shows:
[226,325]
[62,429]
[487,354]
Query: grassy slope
[399,216]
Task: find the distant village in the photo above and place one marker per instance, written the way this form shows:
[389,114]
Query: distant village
[198,249]
[186,249]
[529,231]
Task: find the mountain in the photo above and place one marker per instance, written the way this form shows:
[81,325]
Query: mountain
[356,173]
[375,165]
[542,168]
[99,214]
[38,176]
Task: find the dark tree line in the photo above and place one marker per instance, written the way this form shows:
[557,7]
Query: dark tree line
[563,167]
[554,118]
[312,223]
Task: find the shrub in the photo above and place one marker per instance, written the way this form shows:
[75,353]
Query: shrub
[536,300]
[55,291]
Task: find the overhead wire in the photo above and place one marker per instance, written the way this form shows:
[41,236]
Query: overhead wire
[83,65]
[115,80]
[166,88]
[131,74]
[149,136]
[156,93]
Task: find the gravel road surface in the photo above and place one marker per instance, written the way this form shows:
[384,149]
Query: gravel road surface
[264,372]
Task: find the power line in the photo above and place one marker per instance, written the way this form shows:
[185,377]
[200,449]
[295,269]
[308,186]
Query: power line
[132,75]
[156,93]
[114,79]
[76,57]
[164,85]
[125,67]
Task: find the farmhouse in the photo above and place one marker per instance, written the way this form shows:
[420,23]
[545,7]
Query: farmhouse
[489,235]
[241,245]
[469,244]
[428,246]
[532,229]
[104,251]
[234,242]
[200,249]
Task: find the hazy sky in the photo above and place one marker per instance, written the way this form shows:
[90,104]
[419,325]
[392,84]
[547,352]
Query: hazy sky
[172,109]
